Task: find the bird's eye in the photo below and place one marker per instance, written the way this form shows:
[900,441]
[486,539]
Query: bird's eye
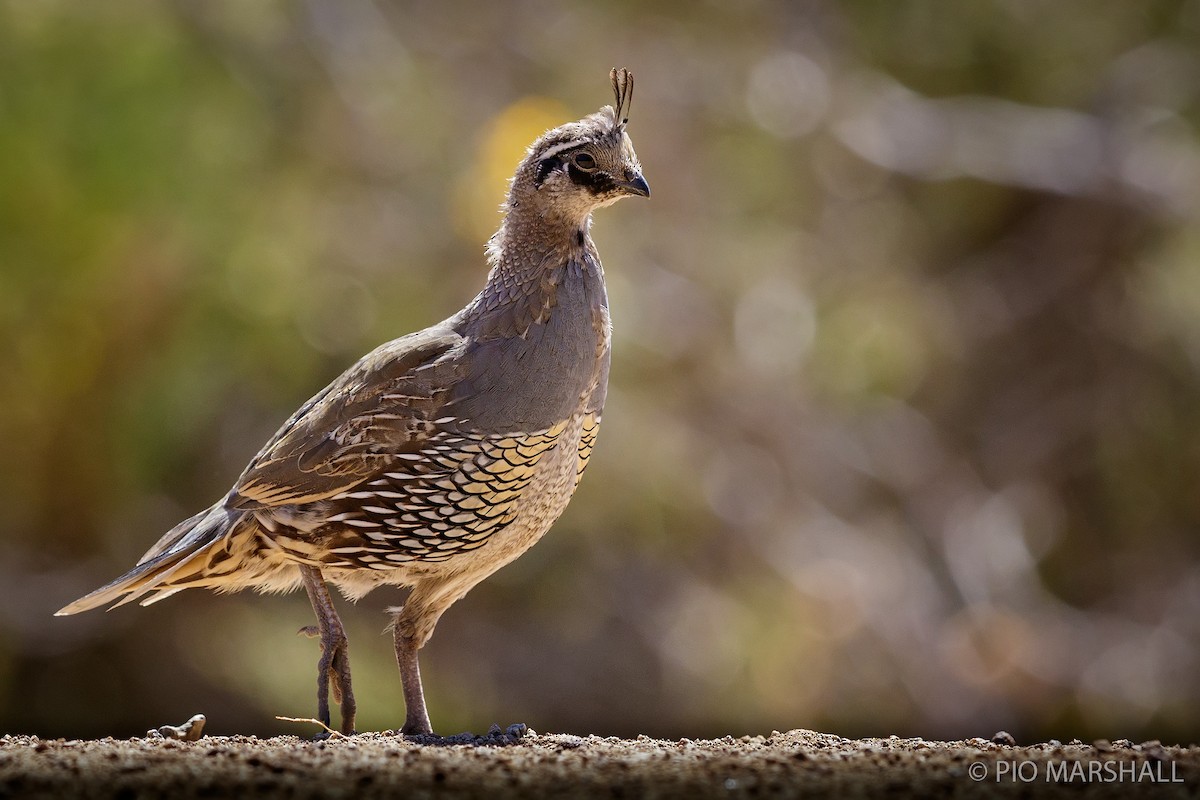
[585,161]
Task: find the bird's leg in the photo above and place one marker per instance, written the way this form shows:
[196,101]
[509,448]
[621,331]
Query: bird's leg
[334,664]
[417,718]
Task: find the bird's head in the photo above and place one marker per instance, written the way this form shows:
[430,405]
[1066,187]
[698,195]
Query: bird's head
[579,167]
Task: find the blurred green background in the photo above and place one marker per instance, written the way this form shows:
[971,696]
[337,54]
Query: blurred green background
[904,427]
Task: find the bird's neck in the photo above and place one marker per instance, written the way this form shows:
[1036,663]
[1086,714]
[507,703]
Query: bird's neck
[530,257]
[527,234]
[528,246]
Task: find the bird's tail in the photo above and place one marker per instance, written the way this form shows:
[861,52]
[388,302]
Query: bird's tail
[175,562]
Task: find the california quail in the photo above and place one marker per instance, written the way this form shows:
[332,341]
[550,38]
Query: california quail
[440,456]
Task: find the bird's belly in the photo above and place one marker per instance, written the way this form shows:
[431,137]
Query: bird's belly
[501,497]
[545,498]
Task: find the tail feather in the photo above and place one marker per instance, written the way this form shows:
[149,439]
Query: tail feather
[174,536]
[180,548]
[173,574]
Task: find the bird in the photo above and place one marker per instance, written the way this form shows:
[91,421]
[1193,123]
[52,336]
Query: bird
[442,455]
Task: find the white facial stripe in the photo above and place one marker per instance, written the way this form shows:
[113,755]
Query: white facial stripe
[558,148]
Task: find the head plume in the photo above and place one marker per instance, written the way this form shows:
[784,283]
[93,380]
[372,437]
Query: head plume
[622,84]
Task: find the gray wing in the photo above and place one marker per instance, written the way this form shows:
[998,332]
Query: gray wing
[384,406]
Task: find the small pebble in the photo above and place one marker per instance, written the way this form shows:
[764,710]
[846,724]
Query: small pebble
[190,731]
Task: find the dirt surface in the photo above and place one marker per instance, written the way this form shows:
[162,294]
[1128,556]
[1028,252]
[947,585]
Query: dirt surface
[798,763]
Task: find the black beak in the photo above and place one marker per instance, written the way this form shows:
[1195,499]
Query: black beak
[635,185]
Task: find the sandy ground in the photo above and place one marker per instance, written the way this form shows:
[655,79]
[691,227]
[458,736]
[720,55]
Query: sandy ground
[798,763]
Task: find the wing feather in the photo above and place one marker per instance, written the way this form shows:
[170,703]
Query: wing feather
[358,426]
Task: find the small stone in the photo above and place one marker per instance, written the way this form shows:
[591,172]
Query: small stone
[1155,751]
[1004,738]
[190,731]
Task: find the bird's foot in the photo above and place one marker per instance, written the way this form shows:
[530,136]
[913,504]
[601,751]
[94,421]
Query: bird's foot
[333,678]
[417,724]
[335,685]
[333,668]
[495,736]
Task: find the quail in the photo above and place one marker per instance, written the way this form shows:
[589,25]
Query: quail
[440,456]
